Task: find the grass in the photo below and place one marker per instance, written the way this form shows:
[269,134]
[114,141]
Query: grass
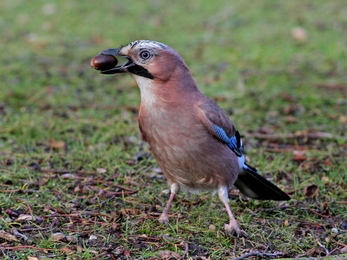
[68,135]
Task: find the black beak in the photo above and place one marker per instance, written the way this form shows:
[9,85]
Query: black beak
[118,69]
[128,66]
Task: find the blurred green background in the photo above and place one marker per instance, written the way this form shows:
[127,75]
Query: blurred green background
[232,48]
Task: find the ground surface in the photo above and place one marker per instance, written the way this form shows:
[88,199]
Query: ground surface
[77,183]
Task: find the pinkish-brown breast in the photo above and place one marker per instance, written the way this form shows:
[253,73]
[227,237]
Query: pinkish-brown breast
[186,152]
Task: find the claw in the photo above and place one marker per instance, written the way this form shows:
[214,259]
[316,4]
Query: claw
[233,229]
[164,219]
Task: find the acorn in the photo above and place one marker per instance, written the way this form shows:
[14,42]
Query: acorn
[103,62]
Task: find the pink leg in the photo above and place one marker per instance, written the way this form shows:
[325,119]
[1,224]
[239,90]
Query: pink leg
[232,227]
[164,218]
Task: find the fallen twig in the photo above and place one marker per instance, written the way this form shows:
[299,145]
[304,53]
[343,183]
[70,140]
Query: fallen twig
[121,187]
[339,243]
[108,194]
[314,212]
[322,246]
[34,229]
[186,250]
[26,247]
[17,234]
[9,190]
[329,87]
[56,171]
[259,254]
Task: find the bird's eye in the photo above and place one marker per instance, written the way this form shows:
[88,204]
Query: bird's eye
[145,55]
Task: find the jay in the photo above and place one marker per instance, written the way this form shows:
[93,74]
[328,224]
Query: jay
[193,140]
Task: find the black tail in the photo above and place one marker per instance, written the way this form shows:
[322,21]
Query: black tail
[253,185]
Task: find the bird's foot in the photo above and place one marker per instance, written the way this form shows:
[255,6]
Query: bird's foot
[164,218]
[233,229]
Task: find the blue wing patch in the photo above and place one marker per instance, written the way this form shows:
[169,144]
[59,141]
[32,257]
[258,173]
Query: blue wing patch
[234,142]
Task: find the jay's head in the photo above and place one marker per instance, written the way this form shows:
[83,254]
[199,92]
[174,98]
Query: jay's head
[149,59]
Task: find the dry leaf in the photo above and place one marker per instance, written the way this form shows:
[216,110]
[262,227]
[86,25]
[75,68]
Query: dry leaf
[93,237]
[290,119]
[7,236]
[79,188]
[311,191]
[299,155]
[126,252]
[71,239]
[57,237]
[66,250]
[212,227]
[328,162]
[101,170]
[24,217]
[130,162]
[166,254]
[59,145]
[115,227]
[299,34]
[299,158]
[325,179]
[69,176]
[343,119]
[325,210]
[33,258]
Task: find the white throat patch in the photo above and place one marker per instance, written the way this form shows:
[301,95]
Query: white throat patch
[146,90]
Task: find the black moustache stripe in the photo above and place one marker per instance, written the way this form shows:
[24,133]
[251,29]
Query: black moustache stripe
[141,71]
